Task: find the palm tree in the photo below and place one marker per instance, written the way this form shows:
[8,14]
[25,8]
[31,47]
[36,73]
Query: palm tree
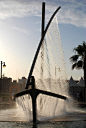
[79,59]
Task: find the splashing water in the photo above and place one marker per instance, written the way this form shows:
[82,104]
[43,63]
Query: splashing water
[50,75]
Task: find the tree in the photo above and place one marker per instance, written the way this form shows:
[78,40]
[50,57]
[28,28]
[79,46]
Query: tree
[79,59]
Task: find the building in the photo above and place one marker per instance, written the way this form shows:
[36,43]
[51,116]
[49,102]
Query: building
[4,89]
[22,81]
[76,87]
[9,88]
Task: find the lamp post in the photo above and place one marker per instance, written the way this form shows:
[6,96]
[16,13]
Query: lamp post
[56,74]
[55,71]
[2,63]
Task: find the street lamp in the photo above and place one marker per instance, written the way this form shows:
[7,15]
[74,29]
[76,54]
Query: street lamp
[55,71]
[2,63]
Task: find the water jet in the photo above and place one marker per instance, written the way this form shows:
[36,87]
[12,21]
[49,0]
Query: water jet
[33,92]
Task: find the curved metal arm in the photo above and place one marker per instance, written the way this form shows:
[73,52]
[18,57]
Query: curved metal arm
[36,55]
[37,92]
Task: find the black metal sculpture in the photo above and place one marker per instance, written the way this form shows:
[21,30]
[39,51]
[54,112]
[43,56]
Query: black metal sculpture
[33,92]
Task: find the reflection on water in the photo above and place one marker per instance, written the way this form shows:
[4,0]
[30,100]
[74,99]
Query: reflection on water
[14,114]
[16,118]
[75,124]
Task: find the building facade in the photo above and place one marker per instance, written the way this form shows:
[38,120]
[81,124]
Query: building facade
[9,88]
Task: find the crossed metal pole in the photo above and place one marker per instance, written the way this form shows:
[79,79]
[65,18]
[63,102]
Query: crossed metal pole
[33,92]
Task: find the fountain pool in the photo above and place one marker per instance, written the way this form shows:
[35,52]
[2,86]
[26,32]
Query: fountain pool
[75,124]
[17,118]
[12,118]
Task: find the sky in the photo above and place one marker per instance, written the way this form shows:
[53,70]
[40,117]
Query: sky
[20,32]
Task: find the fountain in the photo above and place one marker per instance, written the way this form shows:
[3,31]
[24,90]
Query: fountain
[33,91]
[46,91]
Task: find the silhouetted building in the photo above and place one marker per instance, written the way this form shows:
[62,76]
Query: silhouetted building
[9,88]
[22,81]
[4,89]
[76,87]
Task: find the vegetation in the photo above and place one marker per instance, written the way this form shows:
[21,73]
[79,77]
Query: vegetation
[79,59]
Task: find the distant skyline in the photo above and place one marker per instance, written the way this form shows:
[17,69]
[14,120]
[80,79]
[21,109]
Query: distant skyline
[20,26]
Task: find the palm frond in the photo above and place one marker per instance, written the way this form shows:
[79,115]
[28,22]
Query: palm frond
[79,50]
[74,58]
[79,64]
[74,66]
[84,46]
[78,58]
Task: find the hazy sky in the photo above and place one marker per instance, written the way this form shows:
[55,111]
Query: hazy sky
[20,25]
